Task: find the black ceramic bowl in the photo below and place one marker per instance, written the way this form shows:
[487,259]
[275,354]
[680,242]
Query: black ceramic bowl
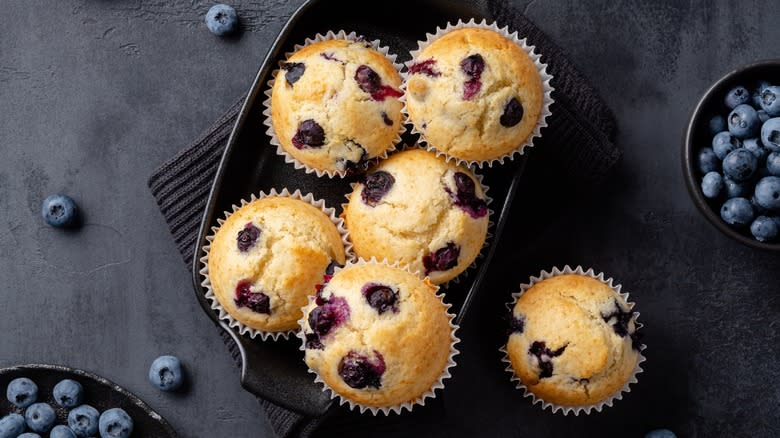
[697,136]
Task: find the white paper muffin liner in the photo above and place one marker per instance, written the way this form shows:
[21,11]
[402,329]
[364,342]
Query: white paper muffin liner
[399,408]
[267,113]
[576,410]
[547,88]
[488,237]
[223,314]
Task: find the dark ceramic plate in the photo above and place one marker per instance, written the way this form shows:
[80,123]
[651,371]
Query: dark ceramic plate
[99,393]
[275,370]
[697,135]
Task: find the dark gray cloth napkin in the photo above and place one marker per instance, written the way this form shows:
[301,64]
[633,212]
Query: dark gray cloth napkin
[576,146]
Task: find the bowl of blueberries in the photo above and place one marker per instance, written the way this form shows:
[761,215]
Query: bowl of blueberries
[731,155]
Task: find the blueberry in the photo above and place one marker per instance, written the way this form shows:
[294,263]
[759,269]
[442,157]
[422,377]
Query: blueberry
[513,113]
[712,185]
[707,161]
[740,165]
[257,301]
[544,357]
[737,96]
[221,19]
[442,259]
[736,189]
[11,426]
[166,373]
[755,97]
[59,211]
[763,116]
[723,143]
[61,432]
[247,237]
[717,124]
[328,315]
[465,196]
[115,423]
[770,134]
[660,433]
[380,297]
[764,229]
[754,145]
[309,134]
[773,163]
[22,392]
[770,100]
[29,435]
[293,71]
[376,186]
[743,121]
[427,67]
[359,371]
[40,417]
[472,66]
[516,324]
[68,393]
[83,421]
[768,193]
[737,212]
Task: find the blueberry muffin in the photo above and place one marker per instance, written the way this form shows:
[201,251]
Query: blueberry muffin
[573,341]
[474,94]
[419,210]
[378,336]
[334,105]
[267,257]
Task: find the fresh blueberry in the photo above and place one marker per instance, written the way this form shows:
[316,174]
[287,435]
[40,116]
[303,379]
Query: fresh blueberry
[68,393]
[221,19]
[11,426]
[770,134]
[513,113]
[755,97]
[442,259]
[737,212]
[708,161]
[770,100]
[712,185]
[740,165]
[743,121]
[773,163]
[660,433]
[764,229]
[29,435]
[83,421]
[257,301]
[376,186]
[768,193]
[309,134]
[736,189]
[61,432]
[382,298]
[723,143]
[754,145]
[763,116]
[777,220]
[115,423]
[166,373]
[59,211]
[359,371]
[22,392]
[40,417]
[717,124]
[737,96]
[247,237]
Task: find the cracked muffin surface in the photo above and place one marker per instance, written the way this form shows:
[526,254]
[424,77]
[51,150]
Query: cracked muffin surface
[474,94]
[573,340]
[267,258]
[334,104]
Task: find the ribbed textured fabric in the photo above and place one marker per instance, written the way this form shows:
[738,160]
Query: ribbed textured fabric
[578,143]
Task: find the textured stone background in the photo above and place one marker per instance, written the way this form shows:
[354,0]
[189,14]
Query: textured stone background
[95,93]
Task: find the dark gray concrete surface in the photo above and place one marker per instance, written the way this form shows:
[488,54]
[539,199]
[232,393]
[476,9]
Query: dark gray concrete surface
[95,93]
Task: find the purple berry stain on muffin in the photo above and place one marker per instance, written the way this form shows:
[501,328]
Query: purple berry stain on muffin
[426,67]
[544,356]
[293,71]
[309,134]
[386,119]
[442,259]
[465,196]
[513,113]
[380,297]
[319,287]
[516,324]
[330,57]
[247,237]
[376,186]
[619,319]
[256,301]
[360,371]
[324,318]
[369,81]
[472,66]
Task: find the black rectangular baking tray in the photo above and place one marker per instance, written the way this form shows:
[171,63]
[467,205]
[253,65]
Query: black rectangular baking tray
[275,371]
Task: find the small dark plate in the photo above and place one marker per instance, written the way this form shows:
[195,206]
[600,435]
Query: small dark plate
[99,393]
[697,135]
[275,370]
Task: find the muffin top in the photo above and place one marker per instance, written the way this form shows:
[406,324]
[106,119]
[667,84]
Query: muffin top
[420,210]
[573,340]
[378,335]
[335,104]
[474,94]
[267,257]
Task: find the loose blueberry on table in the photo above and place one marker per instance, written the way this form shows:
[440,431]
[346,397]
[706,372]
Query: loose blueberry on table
[222,19]
[166,373]
[59,211]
